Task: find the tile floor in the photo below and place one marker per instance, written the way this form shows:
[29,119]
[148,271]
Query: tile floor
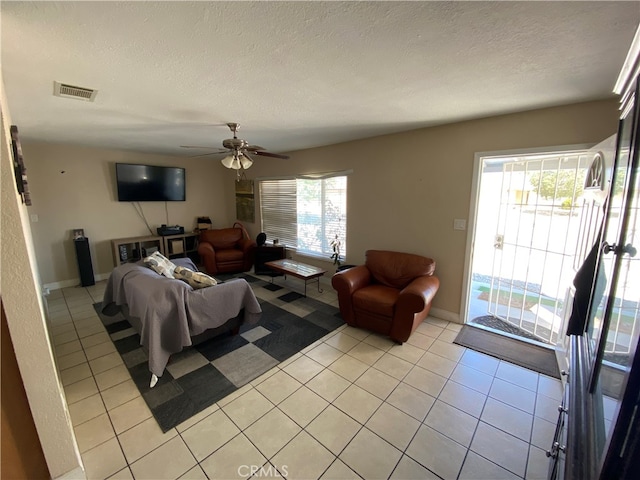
[352,405]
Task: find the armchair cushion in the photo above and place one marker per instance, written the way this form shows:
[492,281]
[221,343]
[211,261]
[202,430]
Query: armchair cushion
[390,294]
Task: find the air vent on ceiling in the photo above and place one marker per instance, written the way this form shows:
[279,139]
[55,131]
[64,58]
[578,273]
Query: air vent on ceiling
[70,91]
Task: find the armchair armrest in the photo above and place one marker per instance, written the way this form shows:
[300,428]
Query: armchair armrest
[208,257]
[345,283]
[418,294]
[246,244]
[205,248]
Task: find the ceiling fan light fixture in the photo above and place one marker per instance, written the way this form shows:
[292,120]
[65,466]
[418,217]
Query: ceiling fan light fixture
[228,161]
[245,161]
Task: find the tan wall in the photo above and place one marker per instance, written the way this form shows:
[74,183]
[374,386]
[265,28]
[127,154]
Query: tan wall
[74,187]
[407,188]
[25,317]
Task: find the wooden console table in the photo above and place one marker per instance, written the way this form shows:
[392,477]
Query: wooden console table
[298,270]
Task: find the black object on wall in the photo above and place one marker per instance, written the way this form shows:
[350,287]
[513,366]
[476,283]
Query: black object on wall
[85,267]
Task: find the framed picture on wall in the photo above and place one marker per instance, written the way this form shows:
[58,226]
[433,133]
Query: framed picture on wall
[19,169]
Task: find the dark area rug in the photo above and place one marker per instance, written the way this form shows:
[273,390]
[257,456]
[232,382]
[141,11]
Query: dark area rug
[539,359]
[202,374]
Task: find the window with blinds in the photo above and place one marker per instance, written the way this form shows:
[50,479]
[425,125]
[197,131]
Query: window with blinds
[306,212]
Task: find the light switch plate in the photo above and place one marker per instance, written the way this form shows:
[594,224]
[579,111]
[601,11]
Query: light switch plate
[459,224]
[34,218]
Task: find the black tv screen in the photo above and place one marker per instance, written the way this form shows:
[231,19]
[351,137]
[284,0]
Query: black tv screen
[149,183]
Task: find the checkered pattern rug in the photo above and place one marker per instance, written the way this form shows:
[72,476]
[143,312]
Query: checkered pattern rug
[202,374]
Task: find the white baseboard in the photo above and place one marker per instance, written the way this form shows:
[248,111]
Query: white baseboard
[445,315]
[77,473]
[74,282]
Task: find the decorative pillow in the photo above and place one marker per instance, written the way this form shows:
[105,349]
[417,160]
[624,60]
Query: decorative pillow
[160,264]
[195,279]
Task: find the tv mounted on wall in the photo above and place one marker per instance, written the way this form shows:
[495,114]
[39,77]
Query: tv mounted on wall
[150,183]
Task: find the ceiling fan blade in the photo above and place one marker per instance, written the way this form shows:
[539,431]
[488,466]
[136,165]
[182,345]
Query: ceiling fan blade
[269,154]
[209,153]
[253,148]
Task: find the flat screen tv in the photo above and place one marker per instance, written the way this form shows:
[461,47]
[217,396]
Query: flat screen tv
[150,183]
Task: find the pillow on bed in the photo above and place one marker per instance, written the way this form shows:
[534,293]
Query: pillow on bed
[160,264]
[195,279]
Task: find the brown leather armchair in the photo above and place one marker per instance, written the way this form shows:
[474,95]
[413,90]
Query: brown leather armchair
[390,294]
[226,250]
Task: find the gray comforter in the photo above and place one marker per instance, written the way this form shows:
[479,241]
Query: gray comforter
[171,311]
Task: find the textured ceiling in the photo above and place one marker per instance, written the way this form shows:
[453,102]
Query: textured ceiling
[298,74]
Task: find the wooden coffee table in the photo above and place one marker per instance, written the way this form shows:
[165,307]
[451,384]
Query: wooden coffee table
[298,270]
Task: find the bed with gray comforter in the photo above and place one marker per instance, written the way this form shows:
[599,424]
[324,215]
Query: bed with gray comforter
[170,311]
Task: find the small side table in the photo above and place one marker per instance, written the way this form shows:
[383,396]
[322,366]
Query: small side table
[267,253]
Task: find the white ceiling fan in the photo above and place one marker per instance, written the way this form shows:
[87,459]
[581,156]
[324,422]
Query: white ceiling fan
[238,151]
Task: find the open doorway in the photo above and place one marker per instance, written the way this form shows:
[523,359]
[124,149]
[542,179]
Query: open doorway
[527,225]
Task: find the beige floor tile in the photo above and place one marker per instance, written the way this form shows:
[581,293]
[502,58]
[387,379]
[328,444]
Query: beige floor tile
[378,383]
[303,406]
[107,362]
[394,366]
[501,448]
[507,418]
[325,354]
[303,369]
[71,360]
[248,408]
[429,330]
[537,464]
[546,408]
[124,474]
[196,473]
[328,385]
[104,460]
[463,398]
[334,429]
[86,409]
[542,433]
[411,401]
[472,378]
[119,394]
[518,375]
[476,467]
[366,353]
[278,386]
[129,414]
[480,361]
[421,341]
[209,434]
[234,460]
[168,461]
[339,471]
[382,342]
[190,422]
[454,423]
[429,382]
[233,395]
[393,425]
[91,330]
[447,350]
[93,432]
[75,374]
[348,367]
[79,390]
[448,336]
[407,352]
[358,403]
[370,456]
[112,377]
[342,341]
[409,469]
[550,387]
[68,348]
[99,350]
[437,364]
[437,321]
[436,452]
[143,438]
[513,395]
[272,432]
[304,457]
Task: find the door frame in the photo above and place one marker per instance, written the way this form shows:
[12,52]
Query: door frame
[473,208]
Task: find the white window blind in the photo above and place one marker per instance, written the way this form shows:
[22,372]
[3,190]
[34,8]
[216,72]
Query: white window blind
[306,213]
